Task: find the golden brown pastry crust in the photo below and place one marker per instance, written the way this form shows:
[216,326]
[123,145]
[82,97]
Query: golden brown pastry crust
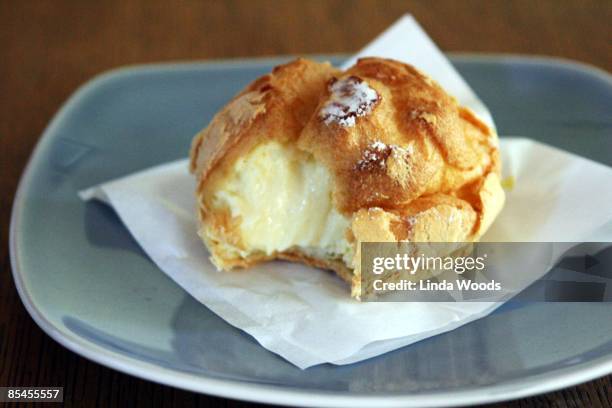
[408,163]
[444,146]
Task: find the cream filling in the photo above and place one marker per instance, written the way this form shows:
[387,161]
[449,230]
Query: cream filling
[283,199]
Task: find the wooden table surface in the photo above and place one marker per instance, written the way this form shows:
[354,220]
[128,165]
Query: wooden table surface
[48,48]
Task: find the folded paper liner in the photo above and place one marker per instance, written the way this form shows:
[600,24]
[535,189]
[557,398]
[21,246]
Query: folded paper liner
[306,315]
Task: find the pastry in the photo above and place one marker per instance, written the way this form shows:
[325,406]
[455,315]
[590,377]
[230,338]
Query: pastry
[308,161]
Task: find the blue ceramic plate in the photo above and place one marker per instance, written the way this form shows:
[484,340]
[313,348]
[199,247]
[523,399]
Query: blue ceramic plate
[87,283]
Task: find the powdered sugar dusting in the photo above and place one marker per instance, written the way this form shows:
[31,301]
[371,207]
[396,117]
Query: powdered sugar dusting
[401,153]
[378,145]
[377,153]
[350,98]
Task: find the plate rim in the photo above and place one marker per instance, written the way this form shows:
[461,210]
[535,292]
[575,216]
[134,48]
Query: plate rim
[236,389]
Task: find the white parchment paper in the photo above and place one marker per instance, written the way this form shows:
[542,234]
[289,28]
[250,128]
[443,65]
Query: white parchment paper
[306,315]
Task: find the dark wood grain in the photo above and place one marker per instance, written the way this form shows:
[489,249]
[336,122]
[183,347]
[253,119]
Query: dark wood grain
[48,48]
